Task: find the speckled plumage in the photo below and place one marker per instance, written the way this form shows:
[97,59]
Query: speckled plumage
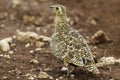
[68,45]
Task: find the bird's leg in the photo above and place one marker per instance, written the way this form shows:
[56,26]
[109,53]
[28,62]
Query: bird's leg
[68,71]
[66,63]
[71,70]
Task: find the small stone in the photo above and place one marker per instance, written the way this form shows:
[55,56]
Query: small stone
[8,62]
[18,77]
[4,77]
[10,52]
[92,20]
[28,74]
[15,3]
[38,29]
[4,45]
[72,22]
[18,72]
[9,39]
[72,76]
[12,17]
[56,79]
[13,45]
[61,78]
[14,37]
[44,38]
[99,37]
[29,37]
[95,53]
[47,69]
[44,30]
[2,26]
[95,47]
[38,49]
[39,44]
[43,75]
[1,55]
[3,15]
[38,22]
[118,61]
[104,61]
[27,45]
[28,19]
[111,79]
[31,51]
[31,78]
[7,56]
[50,77]
[64,69]
[15,49]
[34,61]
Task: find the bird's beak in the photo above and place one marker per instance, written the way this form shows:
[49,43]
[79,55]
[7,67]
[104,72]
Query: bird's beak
[51,7]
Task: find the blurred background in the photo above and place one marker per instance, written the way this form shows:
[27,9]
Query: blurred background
[87,16]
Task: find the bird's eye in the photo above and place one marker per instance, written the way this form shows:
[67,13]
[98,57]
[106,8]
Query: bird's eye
[57,8]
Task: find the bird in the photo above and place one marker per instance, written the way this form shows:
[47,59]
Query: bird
[68,45]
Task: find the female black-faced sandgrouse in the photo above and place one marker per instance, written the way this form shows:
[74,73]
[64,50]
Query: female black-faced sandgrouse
[68,45]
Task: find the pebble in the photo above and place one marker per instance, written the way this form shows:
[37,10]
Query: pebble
[15,3]
[39,44]
[14,37]
[56,79]
[4,46]
[28,19]
[47,69]
[27,45]
[2,26]
[4,77]
[38,29]
[111,79]
[43,75]
[31,78]
[100,37]
[61,78]
[38,49]
[34,61]
[17,71]
[72,76]
[13,45]
[118,61]
[3,15]
[50,77]
[27,36]
[64,69]
[5,56]
[10,52]
[31,51]
[12,17]
[92,20]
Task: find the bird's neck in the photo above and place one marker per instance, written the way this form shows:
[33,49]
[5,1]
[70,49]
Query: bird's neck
[61,24]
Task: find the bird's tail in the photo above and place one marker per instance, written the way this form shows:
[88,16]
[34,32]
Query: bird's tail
[92,68]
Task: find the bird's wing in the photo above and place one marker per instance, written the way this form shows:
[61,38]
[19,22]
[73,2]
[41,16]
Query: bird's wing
[80,47]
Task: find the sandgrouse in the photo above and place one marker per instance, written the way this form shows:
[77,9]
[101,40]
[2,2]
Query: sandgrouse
[68,45]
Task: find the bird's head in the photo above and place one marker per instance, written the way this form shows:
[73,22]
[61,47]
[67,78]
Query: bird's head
[59,9]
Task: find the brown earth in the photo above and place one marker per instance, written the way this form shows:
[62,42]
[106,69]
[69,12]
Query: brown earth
[87,16]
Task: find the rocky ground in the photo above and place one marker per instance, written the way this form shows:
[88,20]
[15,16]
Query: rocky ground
[31,58]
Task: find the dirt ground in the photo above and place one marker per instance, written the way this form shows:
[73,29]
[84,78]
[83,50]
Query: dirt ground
[104,13]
